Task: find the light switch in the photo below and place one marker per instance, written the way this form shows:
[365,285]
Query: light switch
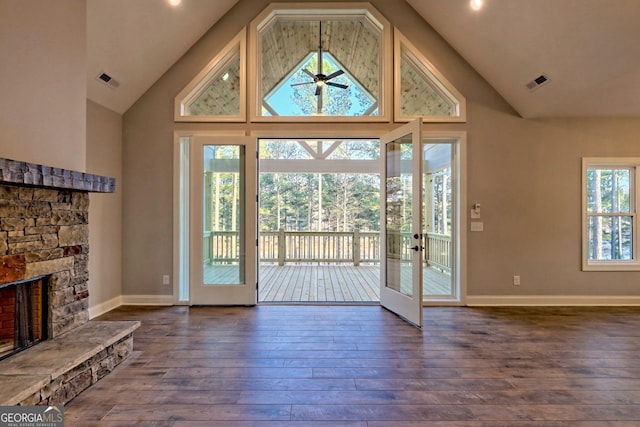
[475,211]
[477,226]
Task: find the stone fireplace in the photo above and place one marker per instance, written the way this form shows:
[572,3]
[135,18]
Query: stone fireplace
[44,236]
[45,231]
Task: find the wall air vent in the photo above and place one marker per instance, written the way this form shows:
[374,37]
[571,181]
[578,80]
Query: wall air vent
[108,80]
[541,80]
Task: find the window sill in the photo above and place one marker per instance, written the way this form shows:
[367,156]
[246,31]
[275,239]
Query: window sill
[611,266]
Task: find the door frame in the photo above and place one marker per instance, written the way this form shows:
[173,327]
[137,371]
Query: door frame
[244,292]
[460,212]
[180,278]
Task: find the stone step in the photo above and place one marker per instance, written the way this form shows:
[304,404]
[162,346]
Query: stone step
[55,371]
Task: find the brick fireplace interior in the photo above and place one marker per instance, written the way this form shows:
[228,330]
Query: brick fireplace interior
[23,315]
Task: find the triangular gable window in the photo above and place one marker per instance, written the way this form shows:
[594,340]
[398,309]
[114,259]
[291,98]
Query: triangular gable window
[421,91]
[217,93]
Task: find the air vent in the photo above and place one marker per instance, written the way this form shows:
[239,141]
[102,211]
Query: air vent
[541,80]
[108,80]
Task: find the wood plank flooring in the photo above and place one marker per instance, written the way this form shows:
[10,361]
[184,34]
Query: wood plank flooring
[362,366]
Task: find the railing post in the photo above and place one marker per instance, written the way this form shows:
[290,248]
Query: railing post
[282,247]
[356,247]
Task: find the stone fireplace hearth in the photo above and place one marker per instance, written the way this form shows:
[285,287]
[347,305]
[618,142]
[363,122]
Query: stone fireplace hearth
[44,232]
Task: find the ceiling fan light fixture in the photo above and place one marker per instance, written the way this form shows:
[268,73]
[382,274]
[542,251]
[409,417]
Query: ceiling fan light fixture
[321,79]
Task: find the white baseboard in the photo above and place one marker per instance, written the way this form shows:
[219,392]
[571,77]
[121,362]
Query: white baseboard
[547,300]
[105,306]
[148,300]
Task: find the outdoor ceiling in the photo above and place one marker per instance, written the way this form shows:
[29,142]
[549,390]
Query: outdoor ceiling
[351,43]
[589,48]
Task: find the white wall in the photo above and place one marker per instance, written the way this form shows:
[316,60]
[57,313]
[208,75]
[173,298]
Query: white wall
[43,85]
[104,157]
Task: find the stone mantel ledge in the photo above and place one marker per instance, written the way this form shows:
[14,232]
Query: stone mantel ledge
[23,173]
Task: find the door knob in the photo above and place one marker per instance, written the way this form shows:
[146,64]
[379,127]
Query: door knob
[417,248]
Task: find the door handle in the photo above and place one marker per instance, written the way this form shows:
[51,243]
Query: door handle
[418,248]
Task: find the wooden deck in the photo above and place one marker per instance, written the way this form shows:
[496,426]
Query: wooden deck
[328,282]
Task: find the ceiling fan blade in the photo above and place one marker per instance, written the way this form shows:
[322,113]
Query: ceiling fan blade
[336,85]
[318,90]
[309,73]
[336,74]
[305,83]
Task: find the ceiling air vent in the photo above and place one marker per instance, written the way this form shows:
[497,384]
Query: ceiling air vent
[108,80]
[541,80]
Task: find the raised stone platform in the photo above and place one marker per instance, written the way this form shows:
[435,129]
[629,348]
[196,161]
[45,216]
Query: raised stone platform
[56,371]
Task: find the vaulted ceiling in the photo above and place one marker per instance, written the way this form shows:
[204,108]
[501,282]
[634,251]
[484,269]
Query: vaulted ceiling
[589,49]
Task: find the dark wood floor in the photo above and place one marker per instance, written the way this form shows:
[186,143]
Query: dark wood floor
[361,366]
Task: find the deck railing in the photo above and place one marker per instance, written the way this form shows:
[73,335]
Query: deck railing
[438,251]
[308,246]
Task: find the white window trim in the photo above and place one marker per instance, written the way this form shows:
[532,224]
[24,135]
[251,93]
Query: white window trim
[430,73]
[200,82]
[306,11]
[612,163]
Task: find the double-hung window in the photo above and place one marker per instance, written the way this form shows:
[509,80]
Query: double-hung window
[609,214]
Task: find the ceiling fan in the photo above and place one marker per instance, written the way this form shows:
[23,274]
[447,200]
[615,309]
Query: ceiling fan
[321,79]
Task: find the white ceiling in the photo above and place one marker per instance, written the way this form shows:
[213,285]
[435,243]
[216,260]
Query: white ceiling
[590,49]
[137,41]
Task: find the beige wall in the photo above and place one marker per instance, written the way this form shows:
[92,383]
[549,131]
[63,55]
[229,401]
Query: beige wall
[527,176]
[45,118]
[104,157]
[43,82]
[525,173]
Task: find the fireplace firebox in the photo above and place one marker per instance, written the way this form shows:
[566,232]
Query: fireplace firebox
[24,315]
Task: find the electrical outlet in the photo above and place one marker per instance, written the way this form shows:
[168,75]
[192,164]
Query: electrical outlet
[165,280]
[516,280]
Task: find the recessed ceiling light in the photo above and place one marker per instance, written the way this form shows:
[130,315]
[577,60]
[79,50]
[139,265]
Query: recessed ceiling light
[476,4]
[175,3]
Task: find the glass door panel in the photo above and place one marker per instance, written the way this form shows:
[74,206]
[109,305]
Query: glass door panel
[401,272]
[223,255]
[438,218]
[398,202]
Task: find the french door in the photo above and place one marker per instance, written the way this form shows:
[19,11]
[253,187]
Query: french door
[402,235]
[223,221]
